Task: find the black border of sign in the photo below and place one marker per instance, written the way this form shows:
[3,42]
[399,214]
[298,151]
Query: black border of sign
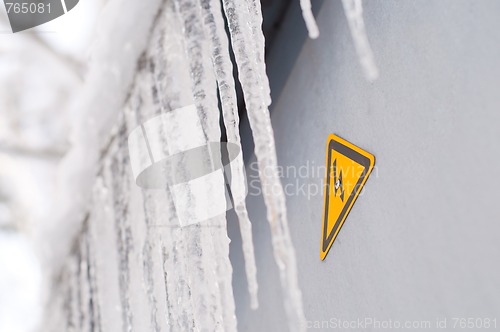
[360,159]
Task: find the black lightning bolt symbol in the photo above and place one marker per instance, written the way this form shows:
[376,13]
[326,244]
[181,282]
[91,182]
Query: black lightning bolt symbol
[338,182]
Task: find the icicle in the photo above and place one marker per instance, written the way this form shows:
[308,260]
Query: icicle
[101,230]
[174,254]
[94,307]
[224,74]
[124,238]
[221,242]
[266,155]
[354,13]
[173,251]
[148,264]
[203,238]
[255,15]
[308,16]
[83,284]
[71,276]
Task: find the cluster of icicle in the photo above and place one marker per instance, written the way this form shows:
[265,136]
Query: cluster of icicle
[207,50]
[160,276]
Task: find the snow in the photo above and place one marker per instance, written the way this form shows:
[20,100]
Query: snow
[20,284]
[112,66]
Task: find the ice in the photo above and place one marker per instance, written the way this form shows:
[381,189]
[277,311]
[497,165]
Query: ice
[255,21]
[223,69]
[209,241]
[265,152]
[126,261]
[308,16]
[354,13]
[112,68]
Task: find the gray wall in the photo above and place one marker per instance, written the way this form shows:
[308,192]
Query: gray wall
[423,241]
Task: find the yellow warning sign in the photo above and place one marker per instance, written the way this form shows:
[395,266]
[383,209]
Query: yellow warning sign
[347,169]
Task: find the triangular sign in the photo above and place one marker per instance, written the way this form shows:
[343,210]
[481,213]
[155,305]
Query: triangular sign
[347,169]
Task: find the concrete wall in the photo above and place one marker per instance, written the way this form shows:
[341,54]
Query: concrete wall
[422,243]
